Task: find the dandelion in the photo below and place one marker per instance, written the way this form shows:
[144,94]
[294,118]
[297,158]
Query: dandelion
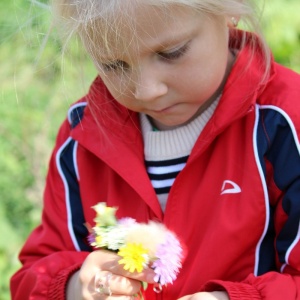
[135,257]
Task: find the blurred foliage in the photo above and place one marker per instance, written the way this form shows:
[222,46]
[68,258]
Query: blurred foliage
[282,30]
[34,97]
[37,86]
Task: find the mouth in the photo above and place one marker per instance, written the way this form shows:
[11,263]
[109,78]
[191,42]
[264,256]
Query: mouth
[165,109]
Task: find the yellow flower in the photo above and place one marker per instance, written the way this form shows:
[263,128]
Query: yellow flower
[98,240]
[135,257]
[105,215]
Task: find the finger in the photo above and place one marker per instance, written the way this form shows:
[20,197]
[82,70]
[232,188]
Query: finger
[146,275]
[123,282]
[110,261]
[97,296]
[109,283]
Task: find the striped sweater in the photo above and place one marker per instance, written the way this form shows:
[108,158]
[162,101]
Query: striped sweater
[166,152]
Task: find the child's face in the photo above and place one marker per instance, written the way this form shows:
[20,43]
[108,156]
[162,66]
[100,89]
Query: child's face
[175,64]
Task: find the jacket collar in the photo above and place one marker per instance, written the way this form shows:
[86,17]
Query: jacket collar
[112,133]
[244,85]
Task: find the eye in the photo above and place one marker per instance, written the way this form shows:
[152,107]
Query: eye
[117,65]
[175,54]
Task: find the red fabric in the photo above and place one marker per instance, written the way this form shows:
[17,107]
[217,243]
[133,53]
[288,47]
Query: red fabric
[221,232]
[46,278]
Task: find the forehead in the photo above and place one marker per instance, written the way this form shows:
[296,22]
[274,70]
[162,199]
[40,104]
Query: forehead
[144,27]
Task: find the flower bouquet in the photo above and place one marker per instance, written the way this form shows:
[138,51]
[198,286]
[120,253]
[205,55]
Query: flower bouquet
[139,245]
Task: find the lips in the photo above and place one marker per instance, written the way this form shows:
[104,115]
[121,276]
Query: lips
[163,110]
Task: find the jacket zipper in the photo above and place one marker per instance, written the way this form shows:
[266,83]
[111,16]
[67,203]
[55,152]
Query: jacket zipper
[159,296]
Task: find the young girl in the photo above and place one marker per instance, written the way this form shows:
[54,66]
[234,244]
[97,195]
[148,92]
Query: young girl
[190,123]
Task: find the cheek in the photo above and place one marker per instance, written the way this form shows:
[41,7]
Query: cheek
[204,75]
[207,64]
[118,86]
[201,79]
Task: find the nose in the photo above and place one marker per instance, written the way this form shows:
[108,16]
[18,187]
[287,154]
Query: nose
[149,85]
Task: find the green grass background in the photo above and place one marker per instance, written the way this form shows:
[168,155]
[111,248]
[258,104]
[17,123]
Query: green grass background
[36,88]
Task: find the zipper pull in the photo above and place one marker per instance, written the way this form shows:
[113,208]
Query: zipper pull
[157,288]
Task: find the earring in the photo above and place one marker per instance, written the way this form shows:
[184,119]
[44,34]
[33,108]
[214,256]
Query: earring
[234,21]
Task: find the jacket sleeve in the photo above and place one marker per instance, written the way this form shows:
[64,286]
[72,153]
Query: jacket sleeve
[49,255]
[279,153]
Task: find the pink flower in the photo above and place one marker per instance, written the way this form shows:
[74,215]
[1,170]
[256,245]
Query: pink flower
[91,238]
[169,255]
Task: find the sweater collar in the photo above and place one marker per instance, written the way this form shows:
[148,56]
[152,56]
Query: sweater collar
[178,142]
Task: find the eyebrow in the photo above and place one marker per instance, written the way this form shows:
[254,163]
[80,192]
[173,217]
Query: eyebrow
[167,43]
[176,39]
[174,43]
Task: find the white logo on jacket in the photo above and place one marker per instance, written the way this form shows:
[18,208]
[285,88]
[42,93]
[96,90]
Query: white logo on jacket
[230,187]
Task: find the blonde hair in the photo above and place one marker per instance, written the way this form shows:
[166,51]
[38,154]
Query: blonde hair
[92,20]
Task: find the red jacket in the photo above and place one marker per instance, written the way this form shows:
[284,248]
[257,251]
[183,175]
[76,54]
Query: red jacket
[236,204]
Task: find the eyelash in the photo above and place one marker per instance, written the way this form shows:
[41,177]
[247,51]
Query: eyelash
[168,56]
[176,54]
[114,66]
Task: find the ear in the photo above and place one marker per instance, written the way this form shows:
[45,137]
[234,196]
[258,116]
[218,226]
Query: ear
[232,21]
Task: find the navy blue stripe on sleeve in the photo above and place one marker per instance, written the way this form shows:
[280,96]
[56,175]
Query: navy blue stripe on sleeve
[75,113]
[278,143]
[66,163]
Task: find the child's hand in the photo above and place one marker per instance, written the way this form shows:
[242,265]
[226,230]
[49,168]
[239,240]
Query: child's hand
[207,296]
[112,278]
